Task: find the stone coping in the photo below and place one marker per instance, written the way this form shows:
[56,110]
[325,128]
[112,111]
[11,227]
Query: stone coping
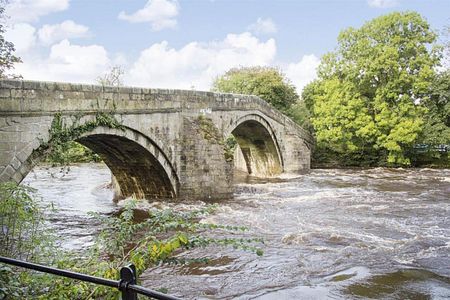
[14,84]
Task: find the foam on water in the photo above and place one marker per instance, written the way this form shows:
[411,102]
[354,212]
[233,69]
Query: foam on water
[328,234]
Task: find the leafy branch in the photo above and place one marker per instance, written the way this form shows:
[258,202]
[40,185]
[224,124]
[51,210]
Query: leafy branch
[62,136]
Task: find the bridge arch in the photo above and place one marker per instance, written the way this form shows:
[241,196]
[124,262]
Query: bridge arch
[258,146]
[138,164]
[140,168]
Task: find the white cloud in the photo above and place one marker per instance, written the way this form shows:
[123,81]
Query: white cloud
[22,35]
[263,26]
[303,72]
[50,34]
[382,3]
[159,13]
[32,10]
[120,59]
[160,66]
[66,62]
[197,64]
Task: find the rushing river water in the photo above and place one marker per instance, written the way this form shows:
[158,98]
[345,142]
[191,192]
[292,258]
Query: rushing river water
[337,234]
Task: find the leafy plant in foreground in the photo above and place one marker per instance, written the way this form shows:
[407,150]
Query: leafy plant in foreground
[23,235]
[157,239]
[21,220]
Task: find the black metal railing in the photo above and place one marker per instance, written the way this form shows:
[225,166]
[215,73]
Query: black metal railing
[127,283]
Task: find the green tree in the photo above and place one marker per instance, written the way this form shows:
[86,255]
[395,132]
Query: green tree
[301,115]
[436,129]
[445,37]
[437,120]
[7,57]
[266,82]
[368,99]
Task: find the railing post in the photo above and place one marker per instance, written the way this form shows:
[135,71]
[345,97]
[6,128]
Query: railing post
[127,277]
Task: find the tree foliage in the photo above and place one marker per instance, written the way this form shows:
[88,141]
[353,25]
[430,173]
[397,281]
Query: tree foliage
[368,98]
[436,130]
[437,120]
[445,36]
[21,220]
[7,57]
[266,82]
[301,115]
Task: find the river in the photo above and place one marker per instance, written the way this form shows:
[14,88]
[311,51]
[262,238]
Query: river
[331,234]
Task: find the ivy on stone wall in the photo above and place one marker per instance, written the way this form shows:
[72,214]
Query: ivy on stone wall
[229,148]
[62,135]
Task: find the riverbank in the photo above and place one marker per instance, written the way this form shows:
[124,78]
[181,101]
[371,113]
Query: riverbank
[324,160]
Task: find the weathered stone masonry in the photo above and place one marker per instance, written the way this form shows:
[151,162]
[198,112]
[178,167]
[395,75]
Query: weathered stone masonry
[162,151]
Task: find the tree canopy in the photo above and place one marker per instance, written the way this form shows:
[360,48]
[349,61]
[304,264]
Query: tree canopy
[368,98]
[437,120]
[266,82]
[7,57]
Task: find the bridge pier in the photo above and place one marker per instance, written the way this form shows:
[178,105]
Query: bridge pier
[204,171]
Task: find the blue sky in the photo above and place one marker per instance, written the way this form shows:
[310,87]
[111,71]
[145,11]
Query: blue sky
[185,44]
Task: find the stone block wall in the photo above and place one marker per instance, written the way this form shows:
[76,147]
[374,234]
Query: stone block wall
[204,172]
[19,137]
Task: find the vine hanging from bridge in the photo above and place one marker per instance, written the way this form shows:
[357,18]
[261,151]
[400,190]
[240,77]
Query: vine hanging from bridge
[63,134]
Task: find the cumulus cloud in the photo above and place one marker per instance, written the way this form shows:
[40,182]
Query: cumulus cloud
[22,35]
[197,64]
[303,72]
[32,10]
[382,3]
[193,65]
[159,13]
[66,62]
[49,34]
[263,26]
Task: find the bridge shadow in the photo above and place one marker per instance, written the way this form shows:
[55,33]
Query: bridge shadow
[136,172]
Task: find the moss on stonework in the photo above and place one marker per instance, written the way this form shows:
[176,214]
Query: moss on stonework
[208,130]
[210,133]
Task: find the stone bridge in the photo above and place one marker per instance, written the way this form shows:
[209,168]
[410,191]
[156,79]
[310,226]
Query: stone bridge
[171,143]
